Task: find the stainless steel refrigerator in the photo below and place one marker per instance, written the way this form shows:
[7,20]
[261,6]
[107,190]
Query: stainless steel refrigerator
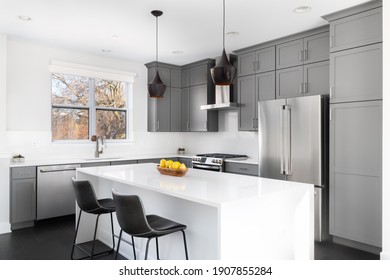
[293,146]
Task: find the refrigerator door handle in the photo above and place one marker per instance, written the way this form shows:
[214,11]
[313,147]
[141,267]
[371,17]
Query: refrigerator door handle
[282,140]
[287,140]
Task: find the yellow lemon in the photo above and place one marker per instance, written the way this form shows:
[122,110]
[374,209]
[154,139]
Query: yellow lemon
[183,166]
[176,165]
[163,163]
[169,162]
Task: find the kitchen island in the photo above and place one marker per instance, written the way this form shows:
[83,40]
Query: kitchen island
[228,216]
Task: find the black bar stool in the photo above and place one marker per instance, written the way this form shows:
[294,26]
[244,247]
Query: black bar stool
[87,202]
[132,220]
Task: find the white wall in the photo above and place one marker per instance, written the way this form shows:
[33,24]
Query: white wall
[386,137]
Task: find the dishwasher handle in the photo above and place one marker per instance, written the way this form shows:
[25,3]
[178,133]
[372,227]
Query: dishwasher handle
[58,168]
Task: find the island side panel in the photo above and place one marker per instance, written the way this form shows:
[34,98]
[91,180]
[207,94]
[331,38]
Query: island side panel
[278,226]
[202,231]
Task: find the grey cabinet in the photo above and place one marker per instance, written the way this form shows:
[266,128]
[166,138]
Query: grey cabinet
[159,113]
[22,197]
[356,30]
[94,164]
[303,51]
[251,89]
[242,168]
[185,109]
[258,61]
[187,161]
[175,109]
[310,79]
[176,78]
[185,77]
[355,171]
[199,74]
[356,74]
[122,162]
[198,118]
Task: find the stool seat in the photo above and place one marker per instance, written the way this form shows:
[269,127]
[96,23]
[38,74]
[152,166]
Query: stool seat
[162,226]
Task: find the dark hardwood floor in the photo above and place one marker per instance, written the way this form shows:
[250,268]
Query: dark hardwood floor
[52,240]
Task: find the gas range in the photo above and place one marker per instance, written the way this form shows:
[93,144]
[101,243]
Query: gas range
[213,161]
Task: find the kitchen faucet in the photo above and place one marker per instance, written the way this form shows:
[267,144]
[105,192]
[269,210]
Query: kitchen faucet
[96,138]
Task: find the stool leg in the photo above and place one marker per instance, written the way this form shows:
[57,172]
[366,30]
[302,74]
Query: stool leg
[75,235]
[132,240]
[112,232]
[185,243]
[119,242]
[158,254]
[94,235]
[147,248]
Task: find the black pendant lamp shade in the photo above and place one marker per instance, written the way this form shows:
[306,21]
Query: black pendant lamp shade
[156,88]
[224,72]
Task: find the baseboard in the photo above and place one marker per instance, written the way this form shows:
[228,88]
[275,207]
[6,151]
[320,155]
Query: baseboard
[5,228]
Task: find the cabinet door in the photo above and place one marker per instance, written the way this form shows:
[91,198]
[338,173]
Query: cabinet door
[198,118]
[246,64]
[247,99]
[165,75]
[185,109]
[316,48]
[357,30]
[242,168]
[175,78]
[289,54]
[356,74]
[23,200]
[175,109]
[198,75]
[289,82]
[355,171]
[185,77]
[316,78]
[265,60]
[265,85]
[163,112]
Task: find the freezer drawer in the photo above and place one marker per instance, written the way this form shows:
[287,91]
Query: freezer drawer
[55,194]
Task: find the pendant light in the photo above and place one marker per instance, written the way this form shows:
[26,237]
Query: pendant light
[156,88]
[224,72]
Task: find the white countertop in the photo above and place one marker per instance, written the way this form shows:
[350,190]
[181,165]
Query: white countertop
[209,188]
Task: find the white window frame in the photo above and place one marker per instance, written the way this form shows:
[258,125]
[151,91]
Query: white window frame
[92,73]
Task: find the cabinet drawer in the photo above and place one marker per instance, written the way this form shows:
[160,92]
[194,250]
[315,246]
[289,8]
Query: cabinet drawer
[242,168]
[357,30]
[23,172]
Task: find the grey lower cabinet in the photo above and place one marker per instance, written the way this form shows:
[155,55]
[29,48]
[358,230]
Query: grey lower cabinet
[356,74]
[355,172]
[122,162]
[22,197]
[95,164]
[242,168]
[309,79]
[251,89]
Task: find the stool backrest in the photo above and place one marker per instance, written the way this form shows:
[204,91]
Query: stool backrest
[85,195]
[131,214]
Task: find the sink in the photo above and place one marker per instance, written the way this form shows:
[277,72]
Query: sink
[102,158]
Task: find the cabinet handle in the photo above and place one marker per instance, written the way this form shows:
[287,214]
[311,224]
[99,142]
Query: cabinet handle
[254,123]
[158,125]
[205,125]
[300,88]
[188,125]
[243,168]
[301,55]
[331,92]
[331,41]
[330,114]
[306,55]
[254,66]
[305,89]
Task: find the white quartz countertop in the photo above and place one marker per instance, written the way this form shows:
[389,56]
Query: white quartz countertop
[209,188]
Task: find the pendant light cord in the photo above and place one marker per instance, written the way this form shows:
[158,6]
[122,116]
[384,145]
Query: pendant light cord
[157,43]
[223,31]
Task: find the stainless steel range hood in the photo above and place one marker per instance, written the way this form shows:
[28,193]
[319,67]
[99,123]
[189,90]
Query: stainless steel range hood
[222,100]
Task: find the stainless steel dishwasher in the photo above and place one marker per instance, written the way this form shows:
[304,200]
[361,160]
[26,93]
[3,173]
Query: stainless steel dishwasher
[55,194]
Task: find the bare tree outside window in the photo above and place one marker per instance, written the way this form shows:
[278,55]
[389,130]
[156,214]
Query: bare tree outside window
[73,100]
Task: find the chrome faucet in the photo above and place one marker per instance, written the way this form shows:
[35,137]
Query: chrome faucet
[96,138]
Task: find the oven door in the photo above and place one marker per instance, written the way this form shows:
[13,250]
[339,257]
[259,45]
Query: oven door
[208,167]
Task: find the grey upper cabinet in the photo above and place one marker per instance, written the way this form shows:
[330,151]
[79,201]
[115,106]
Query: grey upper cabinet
[176,78]
[355,171]
[185,109]
[316,78]
[289,82]
[258,61]
[251,89]
[185,77]
[22,197]
[198,75]
[356,74]
[357,30]
[175,109]
[198,118]
[310,49]
[159,116]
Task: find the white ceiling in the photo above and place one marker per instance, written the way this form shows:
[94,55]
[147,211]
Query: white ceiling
[191,26]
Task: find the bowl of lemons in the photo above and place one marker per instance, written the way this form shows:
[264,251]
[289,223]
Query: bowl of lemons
[172,168]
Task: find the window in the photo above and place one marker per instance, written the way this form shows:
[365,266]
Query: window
[83,106]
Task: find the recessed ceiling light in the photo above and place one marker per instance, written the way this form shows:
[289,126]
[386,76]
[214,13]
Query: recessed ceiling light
[302,9]
[106,51]
[177,52]
[232,34]
[26,18]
